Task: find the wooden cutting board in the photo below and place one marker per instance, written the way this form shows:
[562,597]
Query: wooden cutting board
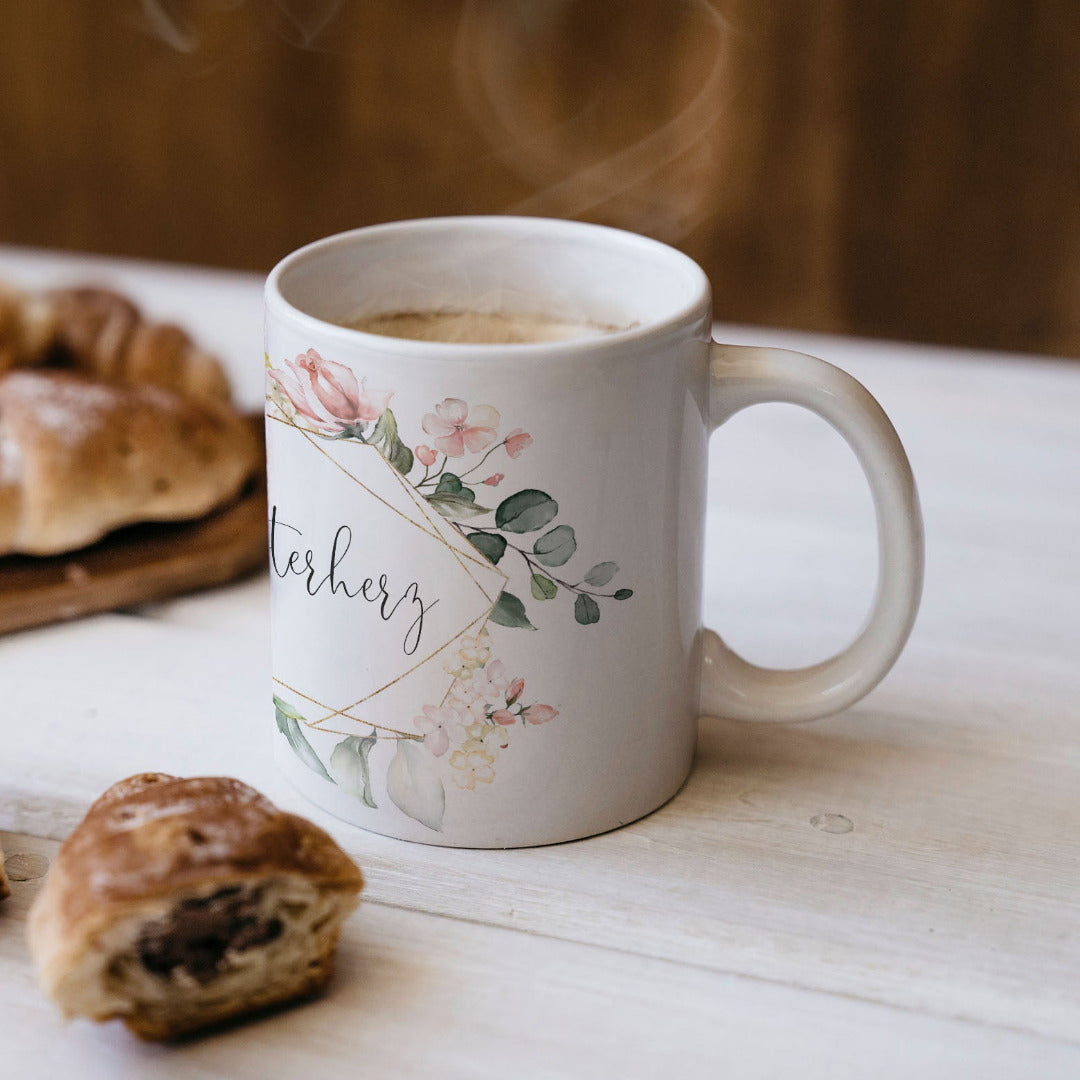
[138,564]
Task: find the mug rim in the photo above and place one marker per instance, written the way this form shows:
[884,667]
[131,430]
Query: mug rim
[687,315]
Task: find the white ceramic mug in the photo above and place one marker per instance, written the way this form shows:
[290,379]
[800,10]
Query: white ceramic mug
[487,559]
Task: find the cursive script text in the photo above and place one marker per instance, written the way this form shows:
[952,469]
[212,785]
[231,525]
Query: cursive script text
[325,572]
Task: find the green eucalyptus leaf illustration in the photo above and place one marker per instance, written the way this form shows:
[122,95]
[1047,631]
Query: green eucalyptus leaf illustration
[510,611]
[556,547]
[288,723]
[490,545]
[450,484]
[586,610]
[623,594]
[456,507]
[384,430]
[401,457]
[543,588]
[384,436]
[282,706]
[526,511]
[349,762]
[602,573]
[413,785]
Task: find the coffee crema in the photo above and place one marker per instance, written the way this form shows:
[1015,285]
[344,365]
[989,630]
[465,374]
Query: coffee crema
[476,327]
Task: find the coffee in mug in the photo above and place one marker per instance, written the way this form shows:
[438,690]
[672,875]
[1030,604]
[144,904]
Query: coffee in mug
[475,327]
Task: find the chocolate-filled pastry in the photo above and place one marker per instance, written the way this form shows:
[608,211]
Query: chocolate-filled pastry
[178,903]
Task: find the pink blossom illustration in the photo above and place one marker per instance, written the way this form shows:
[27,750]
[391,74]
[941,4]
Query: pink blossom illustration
[539,714]
[328,393]
[467,693]
[458,428]
[517,442]
[478,714]
[468,707]
[426,455]
[437,723]
[494,479]
[489,683]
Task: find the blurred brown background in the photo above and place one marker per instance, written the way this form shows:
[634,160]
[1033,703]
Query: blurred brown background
[906,169]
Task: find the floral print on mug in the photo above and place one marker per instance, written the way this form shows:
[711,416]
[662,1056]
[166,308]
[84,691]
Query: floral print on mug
[461,738]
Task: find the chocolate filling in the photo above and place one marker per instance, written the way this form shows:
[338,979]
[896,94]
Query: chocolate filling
[196,934]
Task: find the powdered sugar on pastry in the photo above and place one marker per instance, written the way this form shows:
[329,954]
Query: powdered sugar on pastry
[80,457]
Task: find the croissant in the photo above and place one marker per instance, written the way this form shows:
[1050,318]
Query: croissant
[27,328]
[178,903]
[80,457]
[101,333]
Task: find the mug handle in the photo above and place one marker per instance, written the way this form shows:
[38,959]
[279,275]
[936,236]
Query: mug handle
[735,689]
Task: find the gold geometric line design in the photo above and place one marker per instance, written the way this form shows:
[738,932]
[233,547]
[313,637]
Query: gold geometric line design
[367,723]
[432,516]
[345,711]
[419,503]
[459,555]
[484,563]
[323,705]
[417,500]
[448,689]
[337,464]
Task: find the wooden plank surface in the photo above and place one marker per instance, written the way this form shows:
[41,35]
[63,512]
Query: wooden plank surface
[953,892]
[951,896]
[416,995]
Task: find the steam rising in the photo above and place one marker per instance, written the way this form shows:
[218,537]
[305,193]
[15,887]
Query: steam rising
[509,67]
[658,182]
[303,23]
[299,22]
[167,25]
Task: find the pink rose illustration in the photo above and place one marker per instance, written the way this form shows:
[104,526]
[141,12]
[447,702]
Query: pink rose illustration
[539,714]
[517,442]
[458,428]
[425,455]
[328,394]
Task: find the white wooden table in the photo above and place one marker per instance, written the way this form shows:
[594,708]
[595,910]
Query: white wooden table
[890,892]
